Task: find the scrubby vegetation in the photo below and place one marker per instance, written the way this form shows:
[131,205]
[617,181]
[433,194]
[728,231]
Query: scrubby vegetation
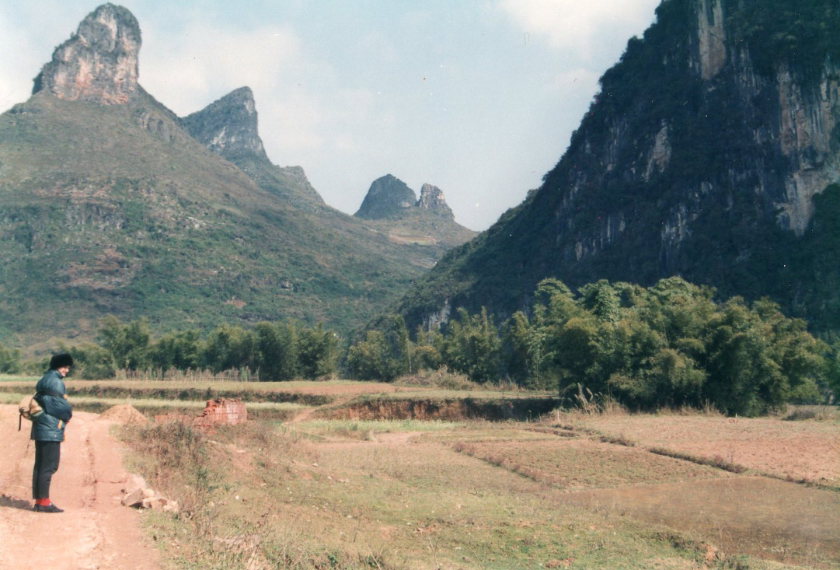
[143,225]
[9,360]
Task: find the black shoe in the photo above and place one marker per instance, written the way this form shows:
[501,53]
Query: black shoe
[51,508]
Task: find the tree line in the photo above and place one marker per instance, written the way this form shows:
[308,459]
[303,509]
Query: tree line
[267,351]
[669,345]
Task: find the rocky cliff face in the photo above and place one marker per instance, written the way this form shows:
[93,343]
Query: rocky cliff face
[228,126]
[99,63]
[704,155]
[744,136]
[432,199]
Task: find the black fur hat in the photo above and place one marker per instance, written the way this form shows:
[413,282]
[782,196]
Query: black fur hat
[59,360]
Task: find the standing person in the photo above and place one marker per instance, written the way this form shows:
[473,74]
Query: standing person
[48,430]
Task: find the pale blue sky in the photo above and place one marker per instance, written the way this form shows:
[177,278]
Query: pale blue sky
[478,97]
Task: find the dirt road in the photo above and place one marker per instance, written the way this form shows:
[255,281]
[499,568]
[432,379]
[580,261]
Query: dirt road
[95,531]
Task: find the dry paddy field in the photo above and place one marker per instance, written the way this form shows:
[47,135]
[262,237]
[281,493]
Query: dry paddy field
[327,486]
[567,491]
[666,471]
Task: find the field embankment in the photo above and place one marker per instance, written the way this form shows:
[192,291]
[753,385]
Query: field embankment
[284,400]
[269,400]
[488,406]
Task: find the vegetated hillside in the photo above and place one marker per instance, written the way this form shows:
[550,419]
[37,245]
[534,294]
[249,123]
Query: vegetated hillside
[711,152]
[108,205]
[101,215]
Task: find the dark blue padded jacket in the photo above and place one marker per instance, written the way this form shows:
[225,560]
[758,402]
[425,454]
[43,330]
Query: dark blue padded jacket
[50,393]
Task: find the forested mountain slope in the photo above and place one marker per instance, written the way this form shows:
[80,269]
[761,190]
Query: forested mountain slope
[710,152]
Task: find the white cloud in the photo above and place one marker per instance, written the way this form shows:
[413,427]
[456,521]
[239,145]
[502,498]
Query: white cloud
[578,27]
[204,59]
[205,62]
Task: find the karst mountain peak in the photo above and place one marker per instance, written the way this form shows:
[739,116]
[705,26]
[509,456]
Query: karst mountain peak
[228,126]
[710,152]
[99,63]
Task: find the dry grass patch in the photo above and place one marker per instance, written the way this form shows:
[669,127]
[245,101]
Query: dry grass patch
[368,430]
[275,499]
[12,397]
[478,431]
[19,378]
[442,509]
[398,494]
[745,515]
[582,464]
[812,412]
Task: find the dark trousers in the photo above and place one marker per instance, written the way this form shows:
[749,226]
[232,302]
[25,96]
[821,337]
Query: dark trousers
[47,455]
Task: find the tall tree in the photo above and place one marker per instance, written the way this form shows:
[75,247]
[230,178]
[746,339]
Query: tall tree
[127,344]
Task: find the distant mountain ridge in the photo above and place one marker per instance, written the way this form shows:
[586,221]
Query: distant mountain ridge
[110,203]
[396,211]
[390,197]
[711,152]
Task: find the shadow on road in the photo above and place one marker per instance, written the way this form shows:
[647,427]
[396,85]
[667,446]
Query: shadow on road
[13,503]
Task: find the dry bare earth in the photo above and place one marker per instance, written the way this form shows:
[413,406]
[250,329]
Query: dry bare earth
[95,531]
[796,450]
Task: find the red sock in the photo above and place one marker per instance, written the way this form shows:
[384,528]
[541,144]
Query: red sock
[43,502]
